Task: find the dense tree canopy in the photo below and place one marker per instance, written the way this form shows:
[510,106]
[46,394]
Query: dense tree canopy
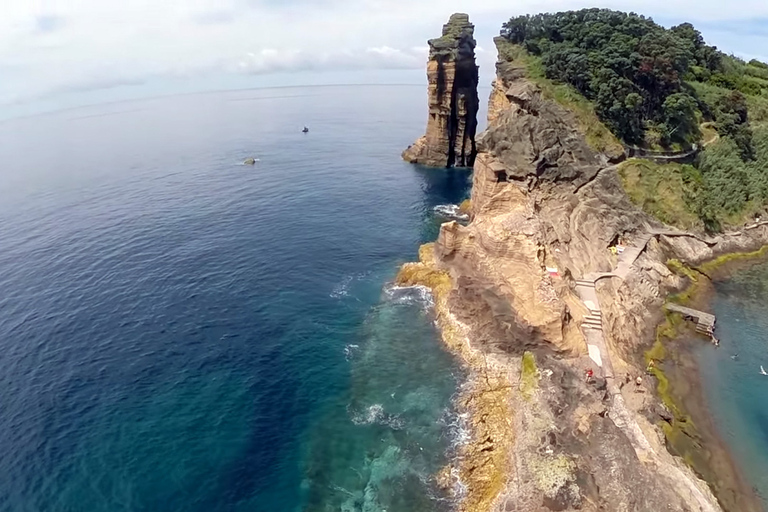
[636,72]
[654,86]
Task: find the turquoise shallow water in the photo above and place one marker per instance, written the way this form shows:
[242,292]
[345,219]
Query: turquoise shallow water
[736,391]
[181,332]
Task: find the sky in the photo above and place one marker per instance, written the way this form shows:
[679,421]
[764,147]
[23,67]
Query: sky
[63,53]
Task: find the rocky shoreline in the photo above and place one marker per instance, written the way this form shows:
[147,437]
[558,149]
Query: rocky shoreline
[545,212]
[480,472]
[704,449]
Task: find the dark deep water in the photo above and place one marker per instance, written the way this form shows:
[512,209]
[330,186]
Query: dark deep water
[736,391]
[181,332]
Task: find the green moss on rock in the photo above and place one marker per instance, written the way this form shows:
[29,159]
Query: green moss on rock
[529,376]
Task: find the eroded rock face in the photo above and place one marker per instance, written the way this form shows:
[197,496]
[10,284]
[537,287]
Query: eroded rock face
[545,209]
[539,201]
[453,102]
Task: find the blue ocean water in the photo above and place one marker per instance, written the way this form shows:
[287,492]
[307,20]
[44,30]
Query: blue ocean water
[736,391]
[179,331]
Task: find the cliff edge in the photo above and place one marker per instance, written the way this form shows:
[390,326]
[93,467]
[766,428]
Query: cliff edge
[453,102]
[531,296]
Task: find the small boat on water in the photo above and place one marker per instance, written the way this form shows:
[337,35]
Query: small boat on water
[305,130]
[762,370]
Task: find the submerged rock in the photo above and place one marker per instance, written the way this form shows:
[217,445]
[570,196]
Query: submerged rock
[453,102]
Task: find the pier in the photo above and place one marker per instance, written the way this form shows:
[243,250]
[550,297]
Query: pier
[705,322]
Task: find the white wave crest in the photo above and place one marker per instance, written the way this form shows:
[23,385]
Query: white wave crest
[342,289]
[349,351]
[459,487]
[410,295]
[451,211]
[375,414]
[456,428]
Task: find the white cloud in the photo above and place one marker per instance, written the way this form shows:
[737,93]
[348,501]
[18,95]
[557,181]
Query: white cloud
[269,60]
[79,44]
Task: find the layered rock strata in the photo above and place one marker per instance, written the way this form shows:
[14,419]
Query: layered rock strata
[453,102]
[545,209]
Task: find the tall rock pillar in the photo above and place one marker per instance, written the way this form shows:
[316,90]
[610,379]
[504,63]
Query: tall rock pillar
[453,100]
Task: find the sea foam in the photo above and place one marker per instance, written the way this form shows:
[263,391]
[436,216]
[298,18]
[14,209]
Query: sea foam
[451,211]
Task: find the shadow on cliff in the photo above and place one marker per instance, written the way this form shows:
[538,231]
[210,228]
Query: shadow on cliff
[496,325]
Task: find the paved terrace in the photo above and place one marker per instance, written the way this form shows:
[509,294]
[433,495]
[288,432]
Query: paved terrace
[705,322]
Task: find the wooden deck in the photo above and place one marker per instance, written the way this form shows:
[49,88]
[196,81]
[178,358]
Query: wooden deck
[705,322]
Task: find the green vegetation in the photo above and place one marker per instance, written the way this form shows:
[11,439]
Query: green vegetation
[669,192]
[657,88]
[529,376]
[667,331]
[684,296]
[598,136]
[711,265]
[720,189]
[680,431]
[638,73]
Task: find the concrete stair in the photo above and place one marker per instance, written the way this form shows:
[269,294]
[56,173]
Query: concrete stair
[594,320]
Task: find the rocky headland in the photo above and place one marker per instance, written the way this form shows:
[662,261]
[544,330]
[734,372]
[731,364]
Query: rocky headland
[530,296]
[453,102]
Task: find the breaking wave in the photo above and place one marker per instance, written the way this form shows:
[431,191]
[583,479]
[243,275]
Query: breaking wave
[451,211]
[410,295]
[349,351]
[375,414]
[342,288]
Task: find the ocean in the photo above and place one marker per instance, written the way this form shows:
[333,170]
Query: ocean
[736,391]
[179,331]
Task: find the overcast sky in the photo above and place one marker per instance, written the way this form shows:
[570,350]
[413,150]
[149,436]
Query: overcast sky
[54,52]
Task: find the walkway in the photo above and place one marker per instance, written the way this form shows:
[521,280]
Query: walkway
[593,322]
[715,136]
[705,322]
[621,416]
[592,326]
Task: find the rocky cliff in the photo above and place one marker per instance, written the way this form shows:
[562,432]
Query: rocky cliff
[528,289]
[453,102]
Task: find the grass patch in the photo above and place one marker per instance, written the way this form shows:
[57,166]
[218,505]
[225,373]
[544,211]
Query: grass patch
[708,132]
[598,136]
[666,191]
[529,376]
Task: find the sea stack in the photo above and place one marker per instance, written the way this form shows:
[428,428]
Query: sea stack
[453,102]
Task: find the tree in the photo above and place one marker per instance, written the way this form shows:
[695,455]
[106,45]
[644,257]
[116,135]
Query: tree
[680,117]
[732,120]
[608,56]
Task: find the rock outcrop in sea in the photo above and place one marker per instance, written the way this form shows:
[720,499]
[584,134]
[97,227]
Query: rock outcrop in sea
[453,101]
[545,210]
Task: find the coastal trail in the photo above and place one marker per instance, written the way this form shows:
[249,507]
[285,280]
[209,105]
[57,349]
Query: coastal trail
[622,417]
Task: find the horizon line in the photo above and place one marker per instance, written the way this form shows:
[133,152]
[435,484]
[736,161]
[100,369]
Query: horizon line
[214,91]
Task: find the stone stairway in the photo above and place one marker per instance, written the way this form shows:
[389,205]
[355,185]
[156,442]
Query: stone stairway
[594,320]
